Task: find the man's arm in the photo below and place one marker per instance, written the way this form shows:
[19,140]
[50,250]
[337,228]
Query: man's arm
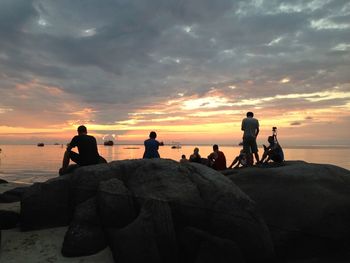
[72,144]
[257,132]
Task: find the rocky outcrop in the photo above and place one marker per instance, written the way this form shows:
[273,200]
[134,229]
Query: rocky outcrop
[306,206]
[144,206]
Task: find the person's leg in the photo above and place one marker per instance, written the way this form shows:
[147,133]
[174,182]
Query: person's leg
[265,154]
[66,158]
[254,148]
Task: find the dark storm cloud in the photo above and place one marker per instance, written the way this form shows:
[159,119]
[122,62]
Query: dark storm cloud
[117,56]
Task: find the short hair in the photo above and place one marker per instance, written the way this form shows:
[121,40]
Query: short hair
[183,156]
[271,139]
[153,135]
[215,147]
[196,149]
[250,114]
[82,129]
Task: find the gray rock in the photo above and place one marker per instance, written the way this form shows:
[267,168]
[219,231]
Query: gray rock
[189,195]
[199,246]
[150,238]
[8,219]
[2,181]
[306,206]
[116,204]
[13,195]
[45,205]
[85,235]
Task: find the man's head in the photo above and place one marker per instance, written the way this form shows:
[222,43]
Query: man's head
[153,135]
[215,147]
[250,114]
[196,150]
[82,130]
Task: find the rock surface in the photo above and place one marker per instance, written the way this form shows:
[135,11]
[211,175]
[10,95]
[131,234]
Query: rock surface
[306,206]
[196,196]
[167,212]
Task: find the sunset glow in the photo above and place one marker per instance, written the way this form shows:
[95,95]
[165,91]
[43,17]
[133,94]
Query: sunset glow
[187,76]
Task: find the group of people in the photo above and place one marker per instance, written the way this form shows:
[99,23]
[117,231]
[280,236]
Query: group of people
[250,128]
[217,159]
[88,152]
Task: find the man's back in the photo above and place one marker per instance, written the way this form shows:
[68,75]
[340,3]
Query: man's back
[87,147]
[249,126]
[220,161]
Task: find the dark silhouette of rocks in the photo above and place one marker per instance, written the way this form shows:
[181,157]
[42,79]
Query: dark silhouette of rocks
[306,207]
[153,199]
[157,210]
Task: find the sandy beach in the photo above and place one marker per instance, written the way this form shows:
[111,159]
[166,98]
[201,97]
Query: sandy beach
[38,246]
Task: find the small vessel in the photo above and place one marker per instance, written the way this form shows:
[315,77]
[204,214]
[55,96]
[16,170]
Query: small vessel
[40,144]
[176,145]
[161,143]
[108,143]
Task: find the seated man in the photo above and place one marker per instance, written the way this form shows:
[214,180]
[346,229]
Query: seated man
[273,152]
[241,159]
[87,147]
[217,159]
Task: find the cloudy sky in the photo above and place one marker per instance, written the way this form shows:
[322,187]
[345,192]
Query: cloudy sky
[188,69]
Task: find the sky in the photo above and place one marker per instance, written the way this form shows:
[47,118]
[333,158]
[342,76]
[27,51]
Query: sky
[187,69]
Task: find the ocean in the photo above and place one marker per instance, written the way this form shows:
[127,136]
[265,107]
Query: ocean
[29,163]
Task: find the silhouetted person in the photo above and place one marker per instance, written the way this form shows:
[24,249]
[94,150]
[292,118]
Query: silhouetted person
[217,159]
[151,147]
[183,159]
[273,152]
[195,156]
[250,126]
[240,160]
[87,148]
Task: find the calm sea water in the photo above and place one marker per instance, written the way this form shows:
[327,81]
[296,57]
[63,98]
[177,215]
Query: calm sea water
[29,163]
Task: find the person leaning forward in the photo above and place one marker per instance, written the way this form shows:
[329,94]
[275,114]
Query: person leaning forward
[250,126]
[87,148]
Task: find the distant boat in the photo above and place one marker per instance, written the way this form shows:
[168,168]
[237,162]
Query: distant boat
[56,143]
[40,144]
[108,143]
[161,143]
[176,145]
[130,148]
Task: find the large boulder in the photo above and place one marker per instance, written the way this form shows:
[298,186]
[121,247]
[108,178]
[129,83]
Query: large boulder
[189,195]
[46,204]
[200,197]
[85,235]
[116,204]
[13,195]
[306,206]
[150,238]
[8,219]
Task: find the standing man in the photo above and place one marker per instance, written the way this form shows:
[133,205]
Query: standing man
[151,146]
[87,147]
[250,126]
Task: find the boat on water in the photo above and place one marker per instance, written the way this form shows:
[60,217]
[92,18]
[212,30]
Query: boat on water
[108,143]
[40,144]
[176,145]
